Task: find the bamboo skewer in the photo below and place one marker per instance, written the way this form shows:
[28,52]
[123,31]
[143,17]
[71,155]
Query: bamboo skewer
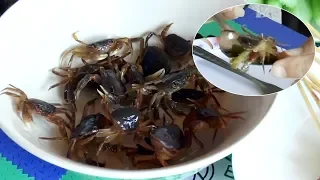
[304,95]
[312,82]
[310,85]
[313,30]
[317,59]
[313,79]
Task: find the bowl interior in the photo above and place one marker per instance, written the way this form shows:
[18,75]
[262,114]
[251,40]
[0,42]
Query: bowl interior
[32,40]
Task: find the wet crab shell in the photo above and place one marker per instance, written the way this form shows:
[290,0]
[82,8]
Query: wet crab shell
[112,83]
[43,107]
[168,136]
[134,76]
[127,117]
[183,95]
[103,46]
[204,113]
[176,46]
[88,124]
[180,108]
[176,80]
[88,69]
[155,59]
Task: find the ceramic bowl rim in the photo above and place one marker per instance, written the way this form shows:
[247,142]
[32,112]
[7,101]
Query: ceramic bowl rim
[192,165]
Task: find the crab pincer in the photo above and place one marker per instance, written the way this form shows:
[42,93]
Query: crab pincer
[70,78]
[112,87]
[263,51]
[90,127]
[176,46]
[27,106]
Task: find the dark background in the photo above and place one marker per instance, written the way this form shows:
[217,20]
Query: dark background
[5,4]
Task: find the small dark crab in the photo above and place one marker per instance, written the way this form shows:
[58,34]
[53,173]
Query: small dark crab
[183,100]
[205,86]
[122,121]
[128,120]
[167,141]
[101,49]
[27,106]
[155,63]
[176,46]
[201,119]
[166,86]
[96,126]
[92,125]
[71,77]
[112,89]
[262,51]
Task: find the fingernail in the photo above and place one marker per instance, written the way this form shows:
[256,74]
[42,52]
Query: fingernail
[239,12]
[279,71]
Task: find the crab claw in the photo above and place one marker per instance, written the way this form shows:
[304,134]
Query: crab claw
[157,75]
[103,94]
[84,81]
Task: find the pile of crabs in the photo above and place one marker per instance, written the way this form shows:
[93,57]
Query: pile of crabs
[140,100]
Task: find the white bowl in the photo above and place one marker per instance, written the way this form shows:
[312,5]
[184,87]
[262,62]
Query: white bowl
[286,145]
[33,35]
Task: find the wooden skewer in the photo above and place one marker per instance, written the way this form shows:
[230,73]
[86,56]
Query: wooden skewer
[304,95]
[311,85]
[313,30]
[316,98]
[317,59]
[314,79]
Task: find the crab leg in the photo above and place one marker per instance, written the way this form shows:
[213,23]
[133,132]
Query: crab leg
[90,104]
[64,112]
[16,90]
[62,125]
[75,37]
[58,84]
[71,147]
[165,108]
[53,138]
[11,94]
[84,81]
[164,32]
[197,140]
[108,138]
[139,158]
[26,115]
[214,135]
[54,71]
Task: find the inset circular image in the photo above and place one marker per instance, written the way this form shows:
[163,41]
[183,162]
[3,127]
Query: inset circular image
[253,49]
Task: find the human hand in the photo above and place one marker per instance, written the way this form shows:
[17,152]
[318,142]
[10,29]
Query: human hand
[229,14]
[294,63]
[232,13]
